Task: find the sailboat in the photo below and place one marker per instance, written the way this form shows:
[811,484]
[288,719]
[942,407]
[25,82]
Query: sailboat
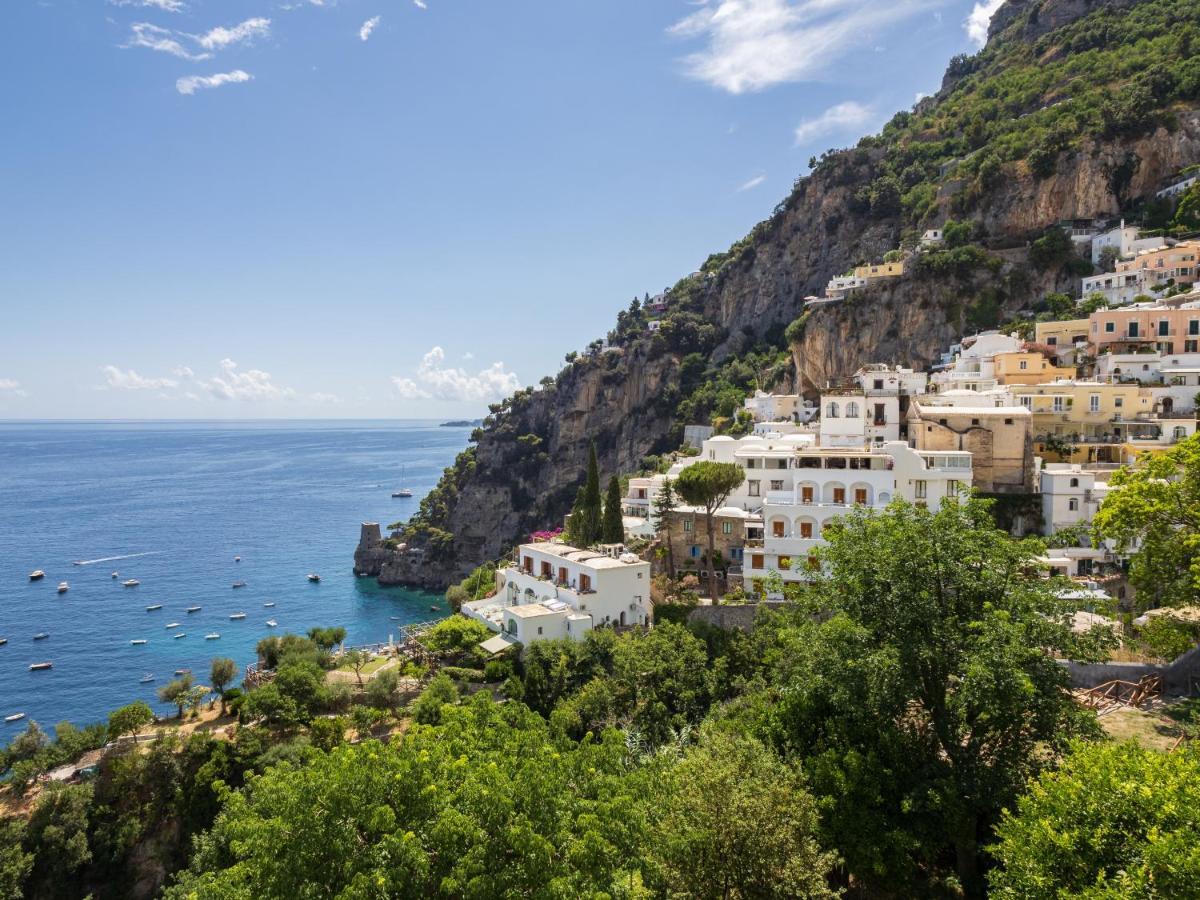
[402,492]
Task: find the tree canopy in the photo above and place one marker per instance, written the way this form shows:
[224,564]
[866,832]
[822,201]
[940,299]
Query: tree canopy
[708,485]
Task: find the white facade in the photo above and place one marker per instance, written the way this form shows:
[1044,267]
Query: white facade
[775,407]
[557,591]
[840,286]
[931,238]
[974,366]
[1070,495]
[852,419]
[1124,240]
[1118,288]
[1178,187]
[881,379]
[825,483]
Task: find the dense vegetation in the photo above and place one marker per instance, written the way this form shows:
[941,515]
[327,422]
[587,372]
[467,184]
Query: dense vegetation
[869,735]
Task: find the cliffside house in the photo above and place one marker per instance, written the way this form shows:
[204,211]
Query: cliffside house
[1166,328]
[732,529]
[1124,241]
[551,590]
[1177,187]
[999,437]
[878,271]
[1027,367]
[1071,494]
[1066,337]
[933,237]
[826,482]
[973,367]
[1176,263]
[766,407]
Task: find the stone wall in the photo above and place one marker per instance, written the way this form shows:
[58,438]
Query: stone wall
[730,617]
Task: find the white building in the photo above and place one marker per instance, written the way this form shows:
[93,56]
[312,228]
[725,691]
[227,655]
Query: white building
[825,483]
[1119,288]
[1071,494]
[932,238]
[873,410]
[553,591]
[839,287]
[776,407]
[974,366]
[1124,240]
[1178,187]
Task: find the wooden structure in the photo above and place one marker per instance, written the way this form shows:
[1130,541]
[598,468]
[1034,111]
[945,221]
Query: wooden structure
[1115,694]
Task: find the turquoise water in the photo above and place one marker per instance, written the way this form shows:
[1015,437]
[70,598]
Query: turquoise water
[177,502]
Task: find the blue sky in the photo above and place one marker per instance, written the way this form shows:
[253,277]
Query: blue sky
[373,208]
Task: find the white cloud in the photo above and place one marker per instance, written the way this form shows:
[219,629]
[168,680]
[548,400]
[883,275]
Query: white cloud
[367,27]
[162,40]
[437,381]
[243,33]
[164,5]
[977,22]
[754,44]
[192,83]
[251,384]
[323,397]
[12,386]
[420,4]
[752,183]
[129,380]
[841,118]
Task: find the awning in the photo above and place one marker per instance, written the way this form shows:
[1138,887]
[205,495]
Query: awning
[497,644]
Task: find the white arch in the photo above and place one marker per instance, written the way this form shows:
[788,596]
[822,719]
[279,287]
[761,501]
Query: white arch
[830,486]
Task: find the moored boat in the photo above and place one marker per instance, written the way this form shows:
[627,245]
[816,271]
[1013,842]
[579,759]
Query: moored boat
[3,641]
[37,667]
[154,607]
[131,582]
[179,672]
[137,642]
[37,575]
[193,609]
[212,636]
[271,623]
[181,634]
[239,584]
[116,574]
[269,603]
[15,717]
[237,615]
[172,625]
[41,636]
[148,677]
[314,577]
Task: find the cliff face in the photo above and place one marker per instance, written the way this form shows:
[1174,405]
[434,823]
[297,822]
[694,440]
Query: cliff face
[530,457]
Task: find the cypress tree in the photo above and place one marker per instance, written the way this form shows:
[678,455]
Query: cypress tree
[575,535]
[613,531]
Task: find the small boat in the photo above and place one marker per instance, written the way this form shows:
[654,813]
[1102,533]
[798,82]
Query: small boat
[403,492]
[435,609]
[193,609]
[37,575]
[40,636]
[147,678]
[3,641]
[37,667]
[181,634]
[154,607]
[172,625]
[212,636]
[15,717]
[116,574]
[137,642]
[271,623]
[179,672]
[314,577]
[63,587]
[394,618]
[237,615]
[269,603]
[131,582]
[237,559]
[238,584]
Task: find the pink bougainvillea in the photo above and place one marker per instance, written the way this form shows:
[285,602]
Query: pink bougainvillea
[540,536]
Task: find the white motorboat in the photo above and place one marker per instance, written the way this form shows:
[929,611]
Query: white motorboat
[213,636]
[131,582]
[239,584]
[181,634]
[237,559]
[137,642]
[193,609]
[237,615]
[37,575]
[271,623]
[63,587]
[403,492]
[172,625]
[148,677]
[3,641]
[314,577]
[116,574]
[15,717]
[38,667]
[269,603]
[154,607]
[40,636]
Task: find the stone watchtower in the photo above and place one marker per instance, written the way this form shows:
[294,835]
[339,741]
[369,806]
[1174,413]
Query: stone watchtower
[370,536]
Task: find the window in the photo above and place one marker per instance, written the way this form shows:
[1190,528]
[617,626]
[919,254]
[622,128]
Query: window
[1059,404]
[813,562]
[777,528]
[1164,328]
[694,550]
[831,411]
[1118,402]
[539,629]
[726,528]
[753,488]
[860,496]
[687,524]
[806,494]
[776,485]
[756,560]
[1074,482]
[1027,402]
[974,421]
[1110,327]
[1052,341]
[1023,365]
[920,490]
[1133,329]
[839,495]
[785,563]
[879,381]
[1194,326]
[1073,504]
[806,529]
[1190,346]
[1008,421]
[952,488]
[1179,433]
[851,410]
[1094,403]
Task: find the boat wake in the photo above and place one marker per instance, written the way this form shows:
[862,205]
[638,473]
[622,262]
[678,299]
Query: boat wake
[88,562]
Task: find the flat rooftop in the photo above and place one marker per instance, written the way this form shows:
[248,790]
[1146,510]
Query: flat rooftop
[590,558]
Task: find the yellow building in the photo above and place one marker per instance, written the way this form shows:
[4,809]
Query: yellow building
[881,270]
[1095,418]
[1061,335]
[1026,367]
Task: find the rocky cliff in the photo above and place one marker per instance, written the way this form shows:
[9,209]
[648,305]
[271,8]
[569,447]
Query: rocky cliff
[1011,145]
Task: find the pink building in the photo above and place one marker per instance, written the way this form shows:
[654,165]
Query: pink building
[1178,262]
[1153,327]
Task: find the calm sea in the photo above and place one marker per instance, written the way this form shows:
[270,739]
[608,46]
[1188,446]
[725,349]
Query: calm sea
[171,504]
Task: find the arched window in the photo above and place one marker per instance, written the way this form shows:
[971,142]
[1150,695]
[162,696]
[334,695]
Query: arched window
[1073,504]
[851,410]
[831,410]
[1074,482]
